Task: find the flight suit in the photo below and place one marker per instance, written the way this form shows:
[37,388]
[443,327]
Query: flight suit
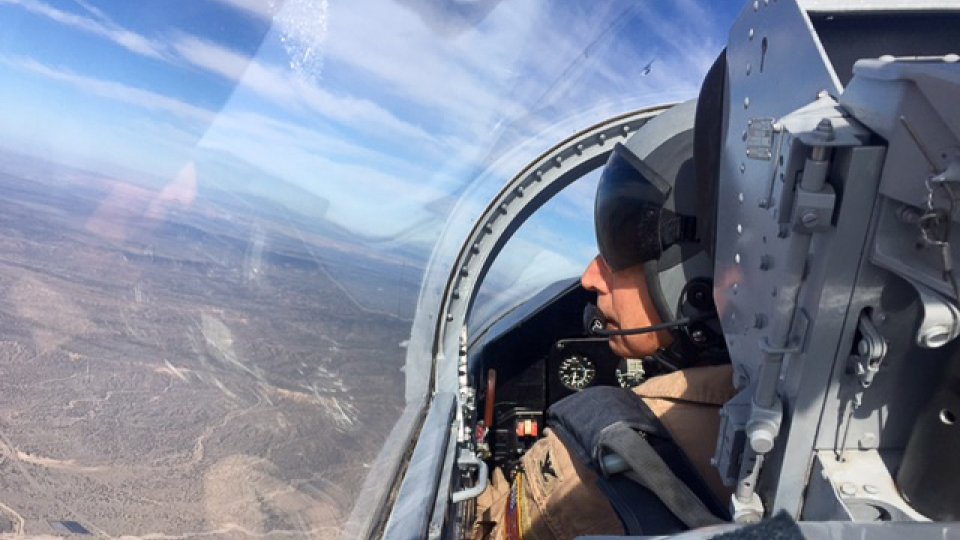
[556,496]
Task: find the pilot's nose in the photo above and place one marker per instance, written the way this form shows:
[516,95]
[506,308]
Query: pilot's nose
[592,278]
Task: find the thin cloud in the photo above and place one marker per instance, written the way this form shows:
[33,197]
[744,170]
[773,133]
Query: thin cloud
[112,90]
[285,89]
[261,9]
[123,37]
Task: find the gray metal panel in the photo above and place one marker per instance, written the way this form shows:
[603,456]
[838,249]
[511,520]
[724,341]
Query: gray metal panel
[834,260]
[748,229]
[414,502]
[758,271]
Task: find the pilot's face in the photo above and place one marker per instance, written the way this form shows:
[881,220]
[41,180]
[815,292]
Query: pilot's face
[624,300]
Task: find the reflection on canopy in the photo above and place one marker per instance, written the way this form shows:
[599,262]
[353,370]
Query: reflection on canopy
[216,221]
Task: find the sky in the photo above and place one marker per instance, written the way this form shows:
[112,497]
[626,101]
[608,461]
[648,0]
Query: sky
[373,115]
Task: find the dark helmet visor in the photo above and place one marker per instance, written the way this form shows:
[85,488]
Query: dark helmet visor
[631,223]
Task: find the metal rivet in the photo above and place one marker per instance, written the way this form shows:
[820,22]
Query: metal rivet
[488,228]
[579,148]
[743,168]
[809,219]
[740,197]
[759,321]
[602,138]
[749,68]
[746,103]
[503,209]
[475,247]
[871,489]
[766,262]
[848,488]
[739,228]
[464,272]
[756,5]
[456,295]
[736,258]
[450,317]
[625,129]
[539,175]
[519,191]
[558,160]
[735,287]
[750,34]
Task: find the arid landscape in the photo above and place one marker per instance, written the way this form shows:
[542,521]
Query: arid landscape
[175,367]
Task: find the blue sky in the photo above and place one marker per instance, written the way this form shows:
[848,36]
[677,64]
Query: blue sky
[373,113]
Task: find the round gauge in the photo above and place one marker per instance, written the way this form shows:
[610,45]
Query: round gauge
[577,372]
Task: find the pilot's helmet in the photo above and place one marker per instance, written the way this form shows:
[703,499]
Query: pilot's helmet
[656,207]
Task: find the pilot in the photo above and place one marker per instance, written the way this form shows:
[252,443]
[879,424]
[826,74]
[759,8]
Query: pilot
[653,218]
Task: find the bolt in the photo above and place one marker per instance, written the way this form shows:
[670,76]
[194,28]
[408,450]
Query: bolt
[698,336]
[871,489]
[825,130]
[740,198]
[809,219]
[756,5]
[766,262]
[750,34]
[746,103]
[743,168]
[739,228]
[749,68]
[935,336]
[848,488]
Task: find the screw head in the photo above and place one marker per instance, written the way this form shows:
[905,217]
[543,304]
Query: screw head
[848,488]
[809,219]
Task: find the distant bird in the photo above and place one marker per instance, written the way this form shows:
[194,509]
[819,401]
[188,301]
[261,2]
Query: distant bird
[646,69]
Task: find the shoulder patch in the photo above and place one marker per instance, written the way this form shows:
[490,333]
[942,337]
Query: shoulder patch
[549,474]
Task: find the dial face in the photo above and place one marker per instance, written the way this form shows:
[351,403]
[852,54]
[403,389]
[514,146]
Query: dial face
[577,372]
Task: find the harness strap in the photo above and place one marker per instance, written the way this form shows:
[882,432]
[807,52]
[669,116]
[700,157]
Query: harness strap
[648,469]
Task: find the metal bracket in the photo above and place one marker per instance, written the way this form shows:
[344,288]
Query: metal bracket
[814,210]
[764,426]
[941,319]
[465,461]
[871,350]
